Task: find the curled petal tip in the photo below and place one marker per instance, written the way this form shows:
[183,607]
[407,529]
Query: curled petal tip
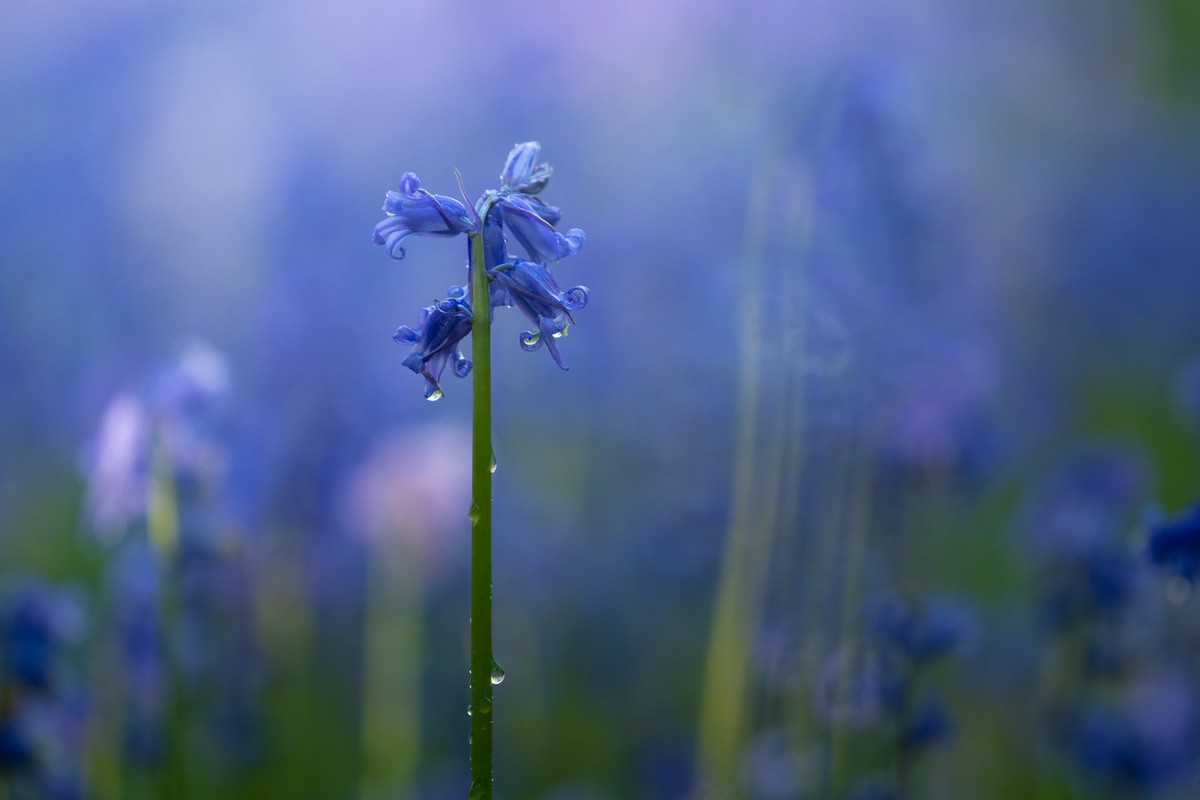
[575,298]
[576,237]
[410,184]
[393,244]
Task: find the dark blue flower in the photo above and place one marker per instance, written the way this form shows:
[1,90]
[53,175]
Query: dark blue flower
[1146,740]
[16,751]
[535,233]
[924,635]
[532,289]
[1175,543]
[928,725]
[495,253]
[30,643]
[522,174]
[436,339]
[414,210]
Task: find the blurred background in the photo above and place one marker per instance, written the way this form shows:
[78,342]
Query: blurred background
[872,477]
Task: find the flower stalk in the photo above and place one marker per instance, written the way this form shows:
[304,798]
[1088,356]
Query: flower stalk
[497,278]
[481,524]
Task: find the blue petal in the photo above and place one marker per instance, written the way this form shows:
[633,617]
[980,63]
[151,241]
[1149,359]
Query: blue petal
[576,298]
[462,365]
[535,234]
[521,171]
[414,361]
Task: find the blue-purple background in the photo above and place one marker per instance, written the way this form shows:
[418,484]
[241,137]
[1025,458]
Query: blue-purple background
[946,243]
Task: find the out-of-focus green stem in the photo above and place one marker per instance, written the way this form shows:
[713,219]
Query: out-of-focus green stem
[163,530]
[481,523]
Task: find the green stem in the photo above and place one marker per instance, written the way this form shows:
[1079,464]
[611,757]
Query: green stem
[481,524]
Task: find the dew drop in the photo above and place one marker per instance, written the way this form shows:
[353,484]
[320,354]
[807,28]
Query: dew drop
[473,513]
[470,711]
[485,706]
[492,463]
[1179,589]
[478,791]
[436,394]
[497,674]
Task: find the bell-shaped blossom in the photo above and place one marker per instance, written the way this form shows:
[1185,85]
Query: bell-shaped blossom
[522,174]
[532,289]
[495,253]
[413,210]
[440,329]
[534,233]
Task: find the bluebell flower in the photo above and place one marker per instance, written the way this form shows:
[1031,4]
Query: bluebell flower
[41,715]
[928,725]
[29,640]
[440,329]
[16,750]
[514,214]
[117,464]
[1099,583]
[533,290]
[495,253]
[920,636]
[1146,740]
[522,173]
[534,233]
[413,210]
[1175,543]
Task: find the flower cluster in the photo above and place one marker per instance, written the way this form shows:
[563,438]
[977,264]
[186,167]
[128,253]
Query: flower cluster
[514,215]
[42,713]
[172,419]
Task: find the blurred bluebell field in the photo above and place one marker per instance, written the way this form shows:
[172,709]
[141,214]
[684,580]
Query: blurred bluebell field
[875,473]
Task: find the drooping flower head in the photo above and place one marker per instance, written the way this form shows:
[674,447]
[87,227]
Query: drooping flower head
[514,214]
[532,289]
[534,233]
[440,329]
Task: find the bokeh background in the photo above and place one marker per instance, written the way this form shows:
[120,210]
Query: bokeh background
[887,378]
